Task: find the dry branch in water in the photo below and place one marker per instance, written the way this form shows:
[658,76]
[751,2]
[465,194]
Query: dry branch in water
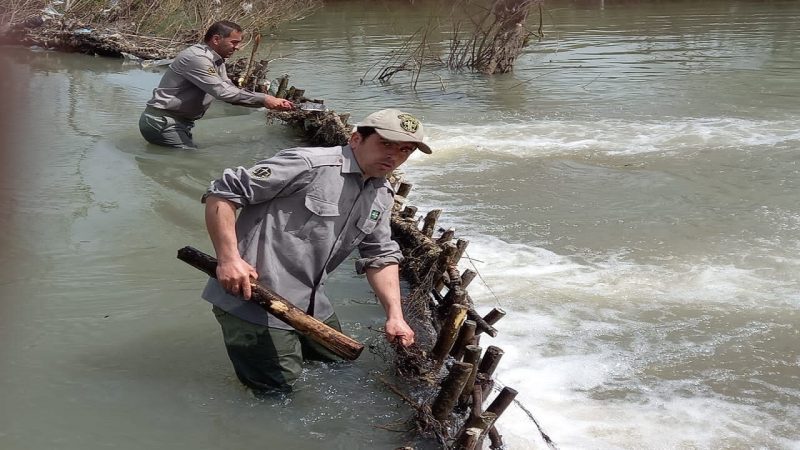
[149,29]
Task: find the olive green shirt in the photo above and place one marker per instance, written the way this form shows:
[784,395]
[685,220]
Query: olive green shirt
[196,77]
[303,212]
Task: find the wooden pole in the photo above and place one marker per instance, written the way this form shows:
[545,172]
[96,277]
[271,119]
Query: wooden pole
[472,354]
[430,222]
[333,340]
[404,189]
[465,335]
[249,70]
[452,386]
[490,360]
[493,316]
[447,236]
[482,326]
[495,438]
[466,277]
[409,212]
[502,401]
[461,244]
[447,335]
[481,423]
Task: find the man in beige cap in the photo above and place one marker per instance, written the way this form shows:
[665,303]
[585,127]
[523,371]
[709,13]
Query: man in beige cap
[301,213]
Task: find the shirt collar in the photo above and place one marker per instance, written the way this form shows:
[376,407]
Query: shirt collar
[350,165]
[214,55]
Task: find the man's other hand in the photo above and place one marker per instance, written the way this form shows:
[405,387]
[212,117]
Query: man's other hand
[397,330]
[278,103]
[236,276]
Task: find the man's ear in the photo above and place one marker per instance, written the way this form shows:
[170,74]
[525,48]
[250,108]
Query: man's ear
[355,139]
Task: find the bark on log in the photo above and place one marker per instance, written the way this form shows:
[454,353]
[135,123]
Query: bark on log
[471,355]
[430,222]
[448,333]
[404,189]
[452,386]
[469,441]
[502,401]
[490,360]
[493,316]
[335,341]
[465,335]
[466,277]
[482,423]
[482,325]
[447,236]
[461,245]
[495,439]
[409,212]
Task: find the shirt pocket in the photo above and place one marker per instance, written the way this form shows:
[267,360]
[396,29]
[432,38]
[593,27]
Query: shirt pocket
[366,225]
[322,216]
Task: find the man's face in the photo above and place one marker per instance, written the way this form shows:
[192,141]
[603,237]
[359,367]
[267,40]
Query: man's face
[226,46]
[377,156]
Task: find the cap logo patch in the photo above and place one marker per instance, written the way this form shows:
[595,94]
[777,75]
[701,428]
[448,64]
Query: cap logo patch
[408,123]
[374,214]
[261,173]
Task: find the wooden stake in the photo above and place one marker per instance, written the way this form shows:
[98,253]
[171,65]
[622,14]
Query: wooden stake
[447,335]
[404,189]
[465,335]
[466,277]
[333,340]
[462,247]
[501,402]
[452,386]
[430,222]
[493,316]
[409,212]
[482,326]
[490,360]
[495,438]
[472,354]
[447,236]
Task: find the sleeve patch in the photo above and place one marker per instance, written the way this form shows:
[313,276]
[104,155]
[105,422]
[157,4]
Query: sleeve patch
[211,70]
[261,173]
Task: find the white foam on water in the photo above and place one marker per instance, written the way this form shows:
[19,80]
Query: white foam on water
[584,388]
[540,137]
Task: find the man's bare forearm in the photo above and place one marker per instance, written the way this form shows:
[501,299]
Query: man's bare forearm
[221,225]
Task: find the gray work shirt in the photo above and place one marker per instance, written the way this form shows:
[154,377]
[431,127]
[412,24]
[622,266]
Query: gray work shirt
[193,80]
[303,212]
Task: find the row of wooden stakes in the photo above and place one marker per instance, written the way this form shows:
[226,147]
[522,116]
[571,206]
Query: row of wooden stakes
[468,383]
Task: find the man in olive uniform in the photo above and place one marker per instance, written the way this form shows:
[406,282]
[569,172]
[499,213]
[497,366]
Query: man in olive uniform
[192,81]
[302,212]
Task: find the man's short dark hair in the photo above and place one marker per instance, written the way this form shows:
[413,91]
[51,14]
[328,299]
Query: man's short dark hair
[365,132]
[222,28]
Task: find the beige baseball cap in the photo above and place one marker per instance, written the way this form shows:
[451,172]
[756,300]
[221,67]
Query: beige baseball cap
[398,126]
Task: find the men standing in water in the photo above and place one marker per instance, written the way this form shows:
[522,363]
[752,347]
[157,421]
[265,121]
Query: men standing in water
[302,212]
[193,79]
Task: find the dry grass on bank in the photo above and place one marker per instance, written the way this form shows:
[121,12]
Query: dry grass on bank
[175,21]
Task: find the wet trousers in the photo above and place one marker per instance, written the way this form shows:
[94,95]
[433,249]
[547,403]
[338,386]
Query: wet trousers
[269,359]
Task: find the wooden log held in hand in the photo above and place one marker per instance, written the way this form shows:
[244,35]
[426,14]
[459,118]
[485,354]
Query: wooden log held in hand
[335,341]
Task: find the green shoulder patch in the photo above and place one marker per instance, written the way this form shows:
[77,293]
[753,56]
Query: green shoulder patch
[374,214]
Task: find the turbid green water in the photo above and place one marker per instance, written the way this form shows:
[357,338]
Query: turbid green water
[630,193]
